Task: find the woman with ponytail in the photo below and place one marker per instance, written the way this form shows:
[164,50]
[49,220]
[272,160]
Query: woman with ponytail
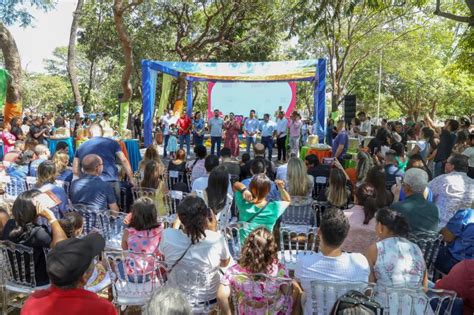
[395,261]
[361,220]
[259,256]
[23,229]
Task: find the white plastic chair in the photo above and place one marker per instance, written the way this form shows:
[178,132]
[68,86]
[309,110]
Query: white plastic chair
[174,177]
[324,294]
[30,182]
[299,218]
[274,294]
[13,186]
[19,271]
[198,284]
[111,227]
[232,236]
[429,244]
[137,287]
[295,244]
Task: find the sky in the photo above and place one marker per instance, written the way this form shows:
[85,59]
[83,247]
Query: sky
[48,31]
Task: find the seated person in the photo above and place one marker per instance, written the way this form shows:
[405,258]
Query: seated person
[196,167]
[253,206]
[330,263]
[244,168]
[315,168]
[259,153]
[46,182]
[61,160]
[14,155]
[421,214]
[459,236]
[460,280]
[168,300]
[42,154]
[70,264]
[299,184]
[178,165]
[232,166]
[62,147]
[4,217]
[392,170]
[197,247]
[361,220]
[72,224]
[21,168]
[211,162]
[258,167]
[339,191]
[24,229]
[90,189]
[259,256]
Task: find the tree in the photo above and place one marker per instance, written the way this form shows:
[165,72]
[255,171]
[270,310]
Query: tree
[71,56]
[469,19]
[13,11]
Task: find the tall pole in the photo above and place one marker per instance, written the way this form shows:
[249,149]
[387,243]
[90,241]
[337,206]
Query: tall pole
[380,87]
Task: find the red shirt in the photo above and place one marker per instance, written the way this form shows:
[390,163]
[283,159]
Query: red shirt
[461,280]
[54,301]
[184,125]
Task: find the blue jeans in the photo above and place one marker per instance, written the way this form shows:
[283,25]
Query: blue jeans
[167,137]
[250,141]
[438,168]
[268,144]
[182,139]
[216,141]
[445,261]
[198,140]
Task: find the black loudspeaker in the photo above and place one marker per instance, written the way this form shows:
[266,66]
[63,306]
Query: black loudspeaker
[349,108]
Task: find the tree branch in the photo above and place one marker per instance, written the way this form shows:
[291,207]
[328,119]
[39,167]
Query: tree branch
[458,18]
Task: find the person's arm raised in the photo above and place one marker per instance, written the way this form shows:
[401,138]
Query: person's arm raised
[76,167]
[57,231]
[126,164]
[284,195]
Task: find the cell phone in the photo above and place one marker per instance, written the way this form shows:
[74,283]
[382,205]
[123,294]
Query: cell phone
[398,180]
[48,199]
[328,161]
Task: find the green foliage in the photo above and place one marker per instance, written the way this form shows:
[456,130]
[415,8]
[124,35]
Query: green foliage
[43,93]
[13,11]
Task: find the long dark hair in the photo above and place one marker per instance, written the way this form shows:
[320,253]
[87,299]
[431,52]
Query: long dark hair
[151,175]
[194,215]
[24,213]
[394,221]
[365,194]
[144,214]
[376,178]
[216,190]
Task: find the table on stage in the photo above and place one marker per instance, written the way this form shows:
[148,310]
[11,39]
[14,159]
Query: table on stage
[319,152]
[52,143]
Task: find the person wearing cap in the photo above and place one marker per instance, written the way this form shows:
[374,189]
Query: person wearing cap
[421,214]
[259,153]
[69,266]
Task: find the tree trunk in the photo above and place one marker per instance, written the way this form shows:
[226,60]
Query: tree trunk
[13,66]
[71,57]
[90,85]
[181,87]
[126,44]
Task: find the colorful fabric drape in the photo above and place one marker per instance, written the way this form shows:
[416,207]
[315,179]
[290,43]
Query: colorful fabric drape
[3,87]
[165,93]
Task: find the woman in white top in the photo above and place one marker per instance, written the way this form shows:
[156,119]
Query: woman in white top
[217,197]
[422,146]
[197,249]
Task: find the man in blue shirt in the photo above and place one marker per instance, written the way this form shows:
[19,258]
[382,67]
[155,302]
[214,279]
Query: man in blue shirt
[198,129]
[215,129]
[90,189]
[341,142]
[108,150]
[251,129]
[268,131]
[42,154]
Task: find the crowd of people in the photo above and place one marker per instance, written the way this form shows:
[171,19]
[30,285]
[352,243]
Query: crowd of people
[410,180]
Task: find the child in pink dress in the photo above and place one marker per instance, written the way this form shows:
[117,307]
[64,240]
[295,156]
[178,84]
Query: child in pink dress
[8,138]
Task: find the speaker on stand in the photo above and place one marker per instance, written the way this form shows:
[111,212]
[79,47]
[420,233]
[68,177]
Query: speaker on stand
[349,108]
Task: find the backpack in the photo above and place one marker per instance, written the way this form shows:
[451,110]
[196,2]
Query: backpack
[356,303]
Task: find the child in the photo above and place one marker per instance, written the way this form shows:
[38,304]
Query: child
[72,224]
[172,146]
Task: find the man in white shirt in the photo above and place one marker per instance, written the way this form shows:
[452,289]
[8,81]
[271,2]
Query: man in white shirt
[365,125]
[166,121]
[251,129]
[281,129]
[268,131]
[215,129]
[330,263]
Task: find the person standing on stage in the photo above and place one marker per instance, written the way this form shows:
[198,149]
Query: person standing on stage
[281,130]
[215,129]
[166,121]
[251,129]
[232,128]
[184,125]
[295,132]
[268,131]
[198,129]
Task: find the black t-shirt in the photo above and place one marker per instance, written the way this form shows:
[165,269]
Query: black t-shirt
[38,237]
[445,147]
[319,171]
[245,171]
[34,130]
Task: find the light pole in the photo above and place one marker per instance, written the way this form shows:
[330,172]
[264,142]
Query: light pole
[380,87]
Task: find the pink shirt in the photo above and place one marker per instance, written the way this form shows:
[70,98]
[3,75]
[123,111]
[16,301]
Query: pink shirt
[295,128]
[8,141]
[360,235]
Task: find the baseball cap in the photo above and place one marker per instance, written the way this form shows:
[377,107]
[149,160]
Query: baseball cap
[70,259]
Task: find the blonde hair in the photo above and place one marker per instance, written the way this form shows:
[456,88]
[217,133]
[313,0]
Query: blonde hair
[61,160]
[298,182]
[337,192]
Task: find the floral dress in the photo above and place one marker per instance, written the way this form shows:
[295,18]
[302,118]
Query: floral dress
[146,241]
[253,299]
[232,137]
